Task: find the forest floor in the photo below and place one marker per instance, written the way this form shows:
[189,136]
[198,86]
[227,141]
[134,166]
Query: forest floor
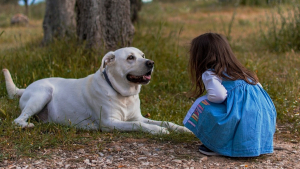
[145,153]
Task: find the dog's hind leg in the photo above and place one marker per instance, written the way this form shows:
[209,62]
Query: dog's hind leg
[32,104]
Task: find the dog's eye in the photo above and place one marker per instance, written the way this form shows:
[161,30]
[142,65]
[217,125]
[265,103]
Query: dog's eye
[131,57]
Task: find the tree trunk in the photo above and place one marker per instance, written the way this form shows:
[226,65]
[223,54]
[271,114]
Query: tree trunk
[26,7]
[59,20]
[104,23]
[135,7]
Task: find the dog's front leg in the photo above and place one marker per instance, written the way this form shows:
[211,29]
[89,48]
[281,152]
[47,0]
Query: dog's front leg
[112,124]
[166,124]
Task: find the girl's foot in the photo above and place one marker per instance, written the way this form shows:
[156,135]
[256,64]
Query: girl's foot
[204,150]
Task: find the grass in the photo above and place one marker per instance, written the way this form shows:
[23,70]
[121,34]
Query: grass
[163,34]
[282,35]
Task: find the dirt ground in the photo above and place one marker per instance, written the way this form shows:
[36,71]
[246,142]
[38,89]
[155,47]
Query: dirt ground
[143,153]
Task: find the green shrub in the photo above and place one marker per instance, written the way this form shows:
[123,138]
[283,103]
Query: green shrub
[282,32]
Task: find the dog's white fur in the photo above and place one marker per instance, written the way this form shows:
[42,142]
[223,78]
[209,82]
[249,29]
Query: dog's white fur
[90,102]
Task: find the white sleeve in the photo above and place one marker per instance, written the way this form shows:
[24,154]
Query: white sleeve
[216,92]
[259,85]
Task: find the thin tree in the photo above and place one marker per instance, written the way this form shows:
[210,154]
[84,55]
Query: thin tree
[26,7]
[135,7]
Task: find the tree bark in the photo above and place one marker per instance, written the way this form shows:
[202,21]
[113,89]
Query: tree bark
[59,20]
[104,23]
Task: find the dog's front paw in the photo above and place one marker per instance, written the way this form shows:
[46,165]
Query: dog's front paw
[23,124]
[164,131]
[160,130]
[183,130]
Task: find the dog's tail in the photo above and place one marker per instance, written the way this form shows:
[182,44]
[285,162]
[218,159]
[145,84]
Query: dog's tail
[11,88]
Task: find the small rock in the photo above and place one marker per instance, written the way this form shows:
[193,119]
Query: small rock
[120,159]
[101,154]
[81,151]
[38,162]
[177,161]
[146,153]
[142,158]
[203,159]
[87,161]
[145,163]
[59,163]
[294,141]
[109,158]
[117,148]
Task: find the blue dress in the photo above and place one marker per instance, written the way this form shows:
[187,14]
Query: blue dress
[242,126]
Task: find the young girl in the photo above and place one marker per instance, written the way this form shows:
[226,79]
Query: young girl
[236,117]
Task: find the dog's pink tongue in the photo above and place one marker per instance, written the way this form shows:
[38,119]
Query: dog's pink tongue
[147,77]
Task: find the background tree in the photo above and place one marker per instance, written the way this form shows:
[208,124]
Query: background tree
[135,7]
[59,20]
[104,23]
[26,7]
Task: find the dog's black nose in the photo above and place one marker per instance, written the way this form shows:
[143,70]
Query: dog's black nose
[149,63]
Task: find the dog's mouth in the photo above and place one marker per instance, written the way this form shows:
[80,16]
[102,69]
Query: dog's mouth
[144,79]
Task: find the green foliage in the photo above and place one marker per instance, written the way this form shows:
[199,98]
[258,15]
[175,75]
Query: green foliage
[283,30]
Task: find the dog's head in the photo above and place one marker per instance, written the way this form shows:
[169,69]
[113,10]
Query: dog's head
[127,68]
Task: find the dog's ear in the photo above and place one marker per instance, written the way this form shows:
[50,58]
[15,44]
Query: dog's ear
[107,59]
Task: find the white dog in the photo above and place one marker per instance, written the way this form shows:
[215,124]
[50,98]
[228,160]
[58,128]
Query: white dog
[106,100]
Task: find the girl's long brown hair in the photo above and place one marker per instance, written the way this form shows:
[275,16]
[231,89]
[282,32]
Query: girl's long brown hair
[211,51]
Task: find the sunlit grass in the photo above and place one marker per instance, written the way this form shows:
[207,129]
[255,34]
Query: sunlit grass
[19,36]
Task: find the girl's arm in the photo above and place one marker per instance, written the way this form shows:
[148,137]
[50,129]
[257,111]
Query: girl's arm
[216,92]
